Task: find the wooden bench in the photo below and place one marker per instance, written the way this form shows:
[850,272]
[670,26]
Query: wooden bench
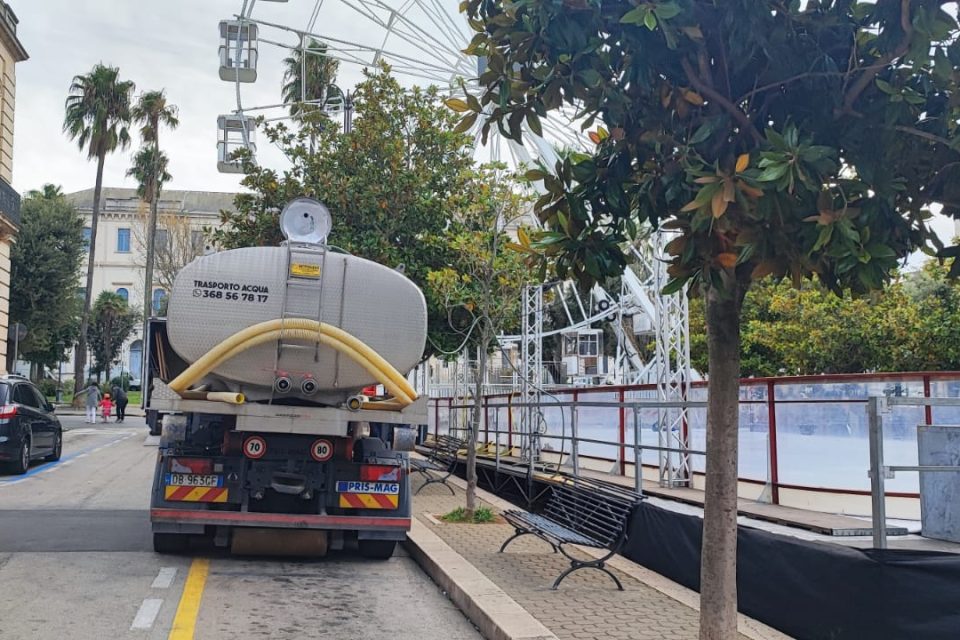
[582,512]
[440,464]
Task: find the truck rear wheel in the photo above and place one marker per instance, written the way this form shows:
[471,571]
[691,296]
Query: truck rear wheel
[377,549]
[170,542]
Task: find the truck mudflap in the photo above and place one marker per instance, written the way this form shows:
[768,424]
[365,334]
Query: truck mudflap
[278,520]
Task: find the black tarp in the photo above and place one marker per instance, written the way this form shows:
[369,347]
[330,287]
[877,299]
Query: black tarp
[812,590]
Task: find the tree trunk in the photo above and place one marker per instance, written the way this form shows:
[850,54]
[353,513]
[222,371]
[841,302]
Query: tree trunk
[150,258]
[718,567]
[148,278]
[475,414]
[80,361]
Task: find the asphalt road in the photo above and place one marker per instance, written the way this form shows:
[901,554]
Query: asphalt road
[76,562]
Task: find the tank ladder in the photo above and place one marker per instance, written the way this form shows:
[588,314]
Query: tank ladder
[303,271]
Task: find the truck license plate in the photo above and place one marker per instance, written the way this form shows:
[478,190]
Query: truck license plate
[351,486]
[193,480]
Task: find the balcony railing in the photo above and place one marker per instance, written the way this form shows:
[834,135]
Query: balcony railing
[9,203]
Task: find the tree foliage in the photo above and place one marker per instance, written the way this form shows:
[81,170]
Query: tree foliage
[793,139]
[44,265]
[913,326]
[112,322]
[396,186]
[486,284]
[309,79]
[149,169]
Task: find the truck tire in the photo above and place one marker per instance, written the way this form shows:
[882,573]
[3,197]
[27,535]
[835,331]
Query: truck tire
[377,549]
[170,542]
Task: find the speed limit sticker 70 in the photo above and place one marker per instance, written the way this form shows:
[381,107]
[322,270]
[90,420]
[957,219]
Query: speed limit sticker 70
[321,450]
[255,447]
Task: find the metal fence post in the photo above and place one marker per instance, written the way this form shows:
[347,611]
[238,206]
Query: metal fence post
[637,457]
[928,409]
[510,424]
[875,407]
[772,442]
[486,421]
[574,444]
[623,434]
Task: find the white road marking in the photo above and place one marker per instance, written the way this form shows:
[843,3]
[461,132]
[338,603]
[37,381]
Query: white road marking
[147,613]
[165,578]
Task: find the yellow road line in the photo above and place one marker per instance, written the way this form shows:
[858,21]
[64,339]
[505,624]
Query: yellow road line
[186,618]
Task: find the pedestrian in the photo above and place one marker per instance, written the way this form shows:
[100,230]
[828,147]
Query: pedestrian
[93,401]
[120,397]
[106,407]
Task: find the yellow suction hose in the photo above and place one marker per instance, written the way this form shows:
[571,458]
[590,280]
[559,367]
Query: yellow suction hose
[305,335]
[305,330]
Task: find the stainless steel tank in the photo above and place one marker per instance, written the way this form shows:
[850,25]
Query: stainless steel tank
[218,295]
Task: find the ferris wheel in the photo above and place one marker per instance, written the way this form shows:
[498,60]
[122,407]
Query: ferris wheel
[422,41]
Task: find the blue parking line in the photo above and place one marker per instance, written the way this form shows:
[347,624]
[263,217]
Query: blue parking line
[50,465]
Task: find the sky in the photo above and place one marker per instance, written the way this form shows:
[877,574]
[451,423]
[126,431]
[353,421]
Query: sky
[159,44]
[173,45]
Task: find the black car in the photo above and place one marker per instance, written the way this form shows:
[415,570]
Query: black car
[28,429]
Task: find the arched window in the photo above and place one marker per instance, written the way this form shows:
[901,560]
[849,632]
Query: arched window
[123,293]
[159,295]
[136,359]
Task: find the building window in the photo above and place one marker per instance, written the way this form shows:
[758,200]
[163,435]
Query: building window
[123,293]
[196,241]
[86,238]
[159,297]
[162,239]
[123,240]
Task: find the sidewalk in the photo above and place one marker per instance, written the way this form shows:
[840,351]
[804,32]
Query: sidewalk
[464,560]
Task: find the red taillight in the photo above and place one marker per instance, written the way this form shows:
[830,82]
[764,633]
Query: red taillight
[380,473]
[191,465]
[8,411]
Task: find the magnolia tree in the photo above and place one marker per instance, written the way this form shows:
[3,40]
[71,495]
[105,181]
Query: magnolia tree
[395,183]
[485,282]
[798,139]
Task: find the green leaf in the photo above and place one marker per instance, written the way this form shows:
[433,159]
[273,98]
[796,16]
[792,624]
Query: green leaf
[635,16]
[703,132]
[773,173]
[533,121]
[886,87]
[650,21]
[667,10]
[674,285]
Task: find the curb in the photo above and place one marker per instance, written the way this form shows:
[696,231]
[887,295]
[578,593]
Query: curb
[495,614]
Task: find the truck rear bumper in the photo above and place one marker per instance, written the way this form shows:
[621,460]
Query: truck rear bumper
[279,520]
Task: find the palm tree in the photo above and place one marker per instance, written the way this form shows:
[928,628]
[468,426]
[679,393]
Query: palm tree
[150,169]
[97,114]
[146,163]
[48,192]
[320,72]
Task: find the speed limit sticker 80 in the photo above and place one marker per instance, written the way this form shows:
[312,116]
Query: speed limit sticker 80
[255,447]
[321,450]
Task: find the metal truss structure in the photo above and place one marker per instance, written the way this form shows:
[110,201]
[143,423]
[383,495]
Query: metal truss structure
[531,364]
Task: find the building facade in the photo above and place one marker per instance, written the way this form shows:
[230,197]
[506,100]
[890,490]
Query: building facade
[11,52]
[120,256]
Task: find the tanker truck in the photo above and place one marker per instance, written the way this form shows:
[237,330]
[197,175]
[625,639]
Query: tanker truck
[255,379]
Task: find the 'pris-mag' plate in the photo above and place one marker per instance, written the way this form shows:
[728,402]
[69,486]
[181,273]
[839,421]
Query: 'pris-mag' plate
[354,486]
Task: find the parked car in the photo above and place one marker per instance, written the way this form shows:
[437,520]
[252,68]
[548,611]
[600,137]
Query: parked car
[29,430]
